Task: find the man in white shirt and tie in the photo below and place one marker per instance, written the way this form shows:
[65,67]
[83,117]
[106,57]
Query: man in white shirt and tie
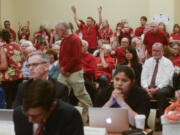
[156,77]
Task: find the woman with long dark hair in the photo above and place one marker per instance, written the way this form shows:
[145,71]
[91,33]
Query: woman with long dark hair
[131,59]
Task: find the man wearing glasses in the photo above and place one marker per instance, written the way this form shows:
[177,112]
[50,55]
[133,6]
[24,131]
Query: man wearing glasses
[7,25]
[49,116]
[38,64]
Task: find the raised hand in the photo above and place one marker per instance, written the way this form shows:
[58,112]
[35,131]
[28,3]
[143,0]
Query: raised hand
[73,9]
[100,9]
[20,25]
[28,23]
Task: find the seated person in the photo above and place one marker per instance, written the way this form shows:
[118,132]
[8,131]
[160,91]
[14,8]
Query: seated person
[40,114]
[54,64]
[131,59]
[24,32]
[105,64]
[119,53]
[38,65]
[156,77]
[176,50]
[175,36]
[88,61]
[126,95]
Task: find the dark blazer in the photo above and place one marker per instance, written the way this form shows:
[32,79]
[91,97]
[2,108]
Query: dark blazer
[63,120]
[61,91]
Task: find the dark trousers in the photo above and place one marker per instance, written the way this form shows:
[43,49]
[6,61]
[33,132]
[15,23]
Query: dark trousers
[10,89]
[162,96]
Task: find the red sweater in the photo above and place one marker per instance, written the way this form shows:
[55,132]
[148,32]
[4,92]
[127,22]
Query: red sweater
[120,55]
[107,71]
[139,31]
[151,38]
[90,35]
[176,61]
[175,36]
[71,54]
[89,65]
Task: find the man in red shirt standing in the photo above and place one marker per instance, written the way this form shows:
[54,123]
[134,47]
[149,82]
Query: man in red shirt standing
[90,30]
[153,36]
[7,25]
[70,61]
[139,31]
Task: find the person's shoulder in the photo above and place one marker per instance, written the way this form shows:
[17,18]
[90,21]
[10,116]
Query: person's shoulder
[138,92]
[75,37]
[56,83]
[66,109]
[148,32]
[149,60]
[166,60]
[91,56]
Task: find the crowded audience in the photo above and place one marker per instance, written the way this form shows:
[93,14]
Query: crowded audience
[124,68]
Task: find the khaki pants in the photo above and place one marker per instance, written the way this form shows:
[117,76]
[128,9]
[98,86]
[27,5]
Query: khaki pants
[76,81]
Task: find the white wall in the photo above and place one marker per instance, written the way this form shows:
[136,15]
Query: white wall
[51,11]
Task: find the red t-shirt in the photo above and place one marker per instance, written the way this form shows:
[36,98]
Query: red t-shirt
[89,65]
[176,61]
[120,55]
[107,71]
[105,33]
[139,31]
[175,36]
[127,35]
[70,56]
[90,35]
[13,34]
[151,38]
[23,36]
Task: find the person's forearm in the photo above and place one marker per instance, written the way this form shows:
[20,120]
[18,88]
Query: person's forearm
[3,60]
[108,104]
[100,19]
[76,19]
[131,112]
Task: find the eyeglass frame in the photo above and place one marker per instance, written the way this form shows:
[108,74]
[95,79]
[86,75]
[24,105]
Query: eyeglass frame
[35,64]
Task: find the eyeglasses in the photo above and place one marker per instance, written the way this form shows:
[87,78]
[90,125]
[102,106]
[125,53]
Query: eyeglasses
[34,64]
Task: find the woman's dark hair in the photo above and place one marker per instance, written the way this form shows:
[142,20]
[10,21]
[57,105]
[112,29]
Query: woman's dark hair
[43,42]
[82,22]
[5,35]
[39,93]
[127,70]
[135,59]
[144,18]
[52,52]
[176,25]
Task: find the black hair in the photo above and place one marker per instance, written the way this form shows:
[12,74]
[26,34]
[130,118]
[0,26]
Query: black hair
[135,59]
[5,35]
[39,93]
[127,70]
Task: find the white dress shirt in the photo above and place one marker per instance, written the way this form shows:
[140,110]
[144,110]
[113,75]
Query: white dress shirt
[164,74]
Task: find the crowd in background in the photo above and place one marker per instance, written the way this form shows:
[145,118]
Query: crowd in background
[103,51]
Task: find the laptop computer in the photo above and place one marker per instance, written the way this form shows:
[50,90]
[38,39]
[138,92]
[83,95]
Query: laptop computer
[6,122]
[6,114]
[113,119]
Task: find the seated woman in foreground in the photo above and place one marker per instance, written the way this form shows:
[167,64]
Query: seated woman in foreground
[127,95]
